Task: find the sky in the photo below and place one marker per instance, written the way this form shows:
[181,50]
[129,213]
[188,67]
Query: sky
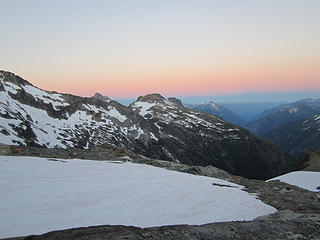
[185,48]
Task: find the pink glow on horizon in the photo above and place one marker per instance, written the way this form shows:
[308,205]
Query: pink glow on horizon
[226,79]
[185,85]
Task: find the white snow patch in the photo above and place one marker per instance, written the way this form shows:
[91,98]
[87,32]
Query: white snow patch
[293,110]
[157,125]
[232,129]
[153,136]
[115,113]
[140,132]
[93,108]
[12,137]
[38,196]
[111,112]
[304,129]
[54,98]
[11,87]
[317,117]
[303,179]
[144,107]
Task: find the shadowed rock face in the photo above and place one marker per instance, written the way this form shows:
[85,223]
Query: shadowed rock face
[154,97]
[299,136]
[100,97]
[175,101]
[152,126]
[197,138]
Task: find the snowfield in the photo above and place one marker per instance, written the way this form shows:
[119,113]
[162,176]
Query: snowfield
[304,179]
[38,195]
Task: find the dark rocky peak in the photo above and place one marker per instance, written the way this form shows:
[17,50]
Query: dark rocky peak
[11,77]
[101,97]
[175,101]
[154,97]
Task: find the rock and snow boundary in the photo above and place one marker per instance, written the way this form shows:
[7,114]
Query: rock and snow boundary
[304,179]
[40,195]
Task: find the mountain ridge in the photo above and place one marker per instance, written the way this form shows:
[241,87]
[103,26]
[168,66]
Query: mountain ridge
[152,126]
[298,136]
[219,110]
[283,114]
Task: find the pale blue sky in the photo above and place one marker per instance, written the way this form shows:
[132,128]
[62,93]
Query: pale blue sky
[130,48]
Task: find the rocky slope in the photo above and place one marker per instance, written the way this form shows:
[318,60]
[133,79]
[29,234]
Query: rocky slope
[299,136]
[276,117]
[298,215]
[218,110]
[153,126]
[309,161]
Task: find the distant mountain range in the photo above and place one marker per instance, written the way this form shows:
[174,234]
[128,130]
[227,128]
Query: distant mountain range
[250,111]
[283,114]
[299,136]
[152,126]
[218,110]
[294,126]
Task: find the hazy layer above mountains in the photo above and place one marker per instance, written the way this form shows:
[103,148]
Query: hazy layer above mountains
[259,97]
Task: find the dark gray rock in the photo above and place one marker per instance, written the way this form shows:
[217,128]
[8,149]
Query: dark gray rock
[175,101]
[272,228]
[153,97]
[100,97]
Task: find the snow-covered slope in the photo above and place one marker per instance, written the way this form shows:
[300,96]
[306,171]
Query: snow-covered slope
[40,195]
[31,116]
[303,179]
[153,126]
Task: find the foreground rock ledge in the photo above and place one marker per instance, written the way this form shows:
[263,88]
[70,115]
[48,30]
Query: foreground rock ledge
[298,216]
[282,225]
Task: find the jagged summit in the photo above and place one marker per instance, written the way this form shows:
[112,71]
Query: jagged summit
[158,98]
[153,97]
[11,77]
[101,97]
[175,101]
